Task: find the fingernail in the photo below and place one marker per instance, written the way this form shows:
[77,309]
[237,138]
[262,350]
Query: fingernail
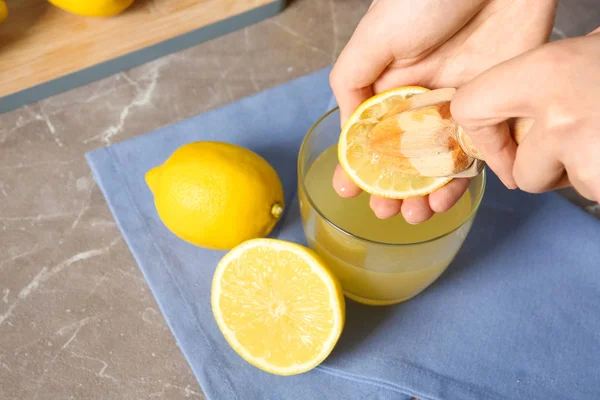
[383,212]
[510,186]
[379,214]
[342,189]
[407,216]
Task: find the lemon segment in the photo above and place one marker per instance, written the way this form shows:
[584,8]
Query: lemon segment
[277,305]
[377,173]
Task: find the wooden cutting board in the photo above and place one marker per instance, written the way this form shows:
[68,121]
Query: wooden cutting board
[40,43]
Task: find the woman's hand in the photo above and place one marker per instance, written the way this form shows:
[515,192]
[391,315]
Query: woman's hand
[558,85]
[435,44]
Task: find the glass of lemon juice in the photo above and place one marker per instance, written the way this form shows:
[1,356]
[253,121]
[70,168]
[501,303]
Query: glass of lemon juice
[378,262]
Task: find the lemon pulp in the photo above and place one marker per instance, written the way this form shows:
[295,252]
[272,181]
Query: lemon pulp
[374,172]
[278,305]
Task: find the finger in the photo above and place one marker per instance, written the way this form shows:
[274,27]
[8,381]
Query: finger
[579,151]
[408,72]
[537,168]
[445,197]
[361,62]
[589,188]
[564,182]
[385,208]
[497,148]
[583,168]
[514,88]
[374,4]
[343,185]
[416,210]
[501,92]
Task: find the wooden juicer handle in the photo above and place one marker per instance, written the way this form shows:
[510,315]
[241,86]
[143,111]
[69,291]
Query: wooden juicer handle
[425,135]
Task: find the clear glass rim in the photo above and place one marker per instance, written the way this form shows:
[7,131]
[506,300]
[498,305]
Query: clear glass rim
[301,173]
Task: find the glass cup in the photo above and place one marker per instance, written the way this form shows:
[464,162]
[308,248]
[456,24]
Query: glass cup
[371,271]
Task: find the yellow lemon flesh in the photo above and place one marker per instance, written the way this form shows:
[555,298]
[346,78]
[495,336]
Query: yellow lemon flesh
[216,195]
[3,11]
[93,8]
[277,305]
[374,172]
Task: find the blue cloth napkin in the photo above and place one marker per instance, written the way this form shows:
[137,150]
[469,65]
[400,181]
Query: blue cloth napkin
[517,314]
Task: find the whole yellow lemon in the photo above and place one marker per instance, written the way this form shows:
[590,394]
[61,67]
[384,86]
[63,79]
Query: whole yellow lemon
[3,10]
[216,195]
[93,8]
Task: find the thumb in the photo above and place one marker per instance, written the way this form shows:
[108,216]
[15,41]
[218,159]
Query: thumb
[496,146]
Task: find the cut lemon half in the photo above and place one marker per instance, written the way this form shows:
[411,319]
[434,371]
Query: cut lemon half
[372,171]
[277,305]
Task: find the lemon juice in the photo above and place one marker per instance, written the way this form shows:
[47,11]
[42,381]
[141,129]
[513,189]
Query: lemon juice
[378,262]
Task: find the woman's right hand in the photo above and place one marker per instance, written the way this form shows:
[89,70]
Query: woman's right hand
[558,85]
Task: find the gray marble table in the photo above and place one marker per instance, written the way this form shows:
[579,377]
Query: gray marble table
[77,320]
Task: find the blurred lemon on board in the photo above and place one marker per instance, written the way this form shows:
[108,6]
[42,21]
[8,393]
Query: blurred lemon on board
[93,8]
[278,305]
[373,172]
[3,10]
[216,194]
